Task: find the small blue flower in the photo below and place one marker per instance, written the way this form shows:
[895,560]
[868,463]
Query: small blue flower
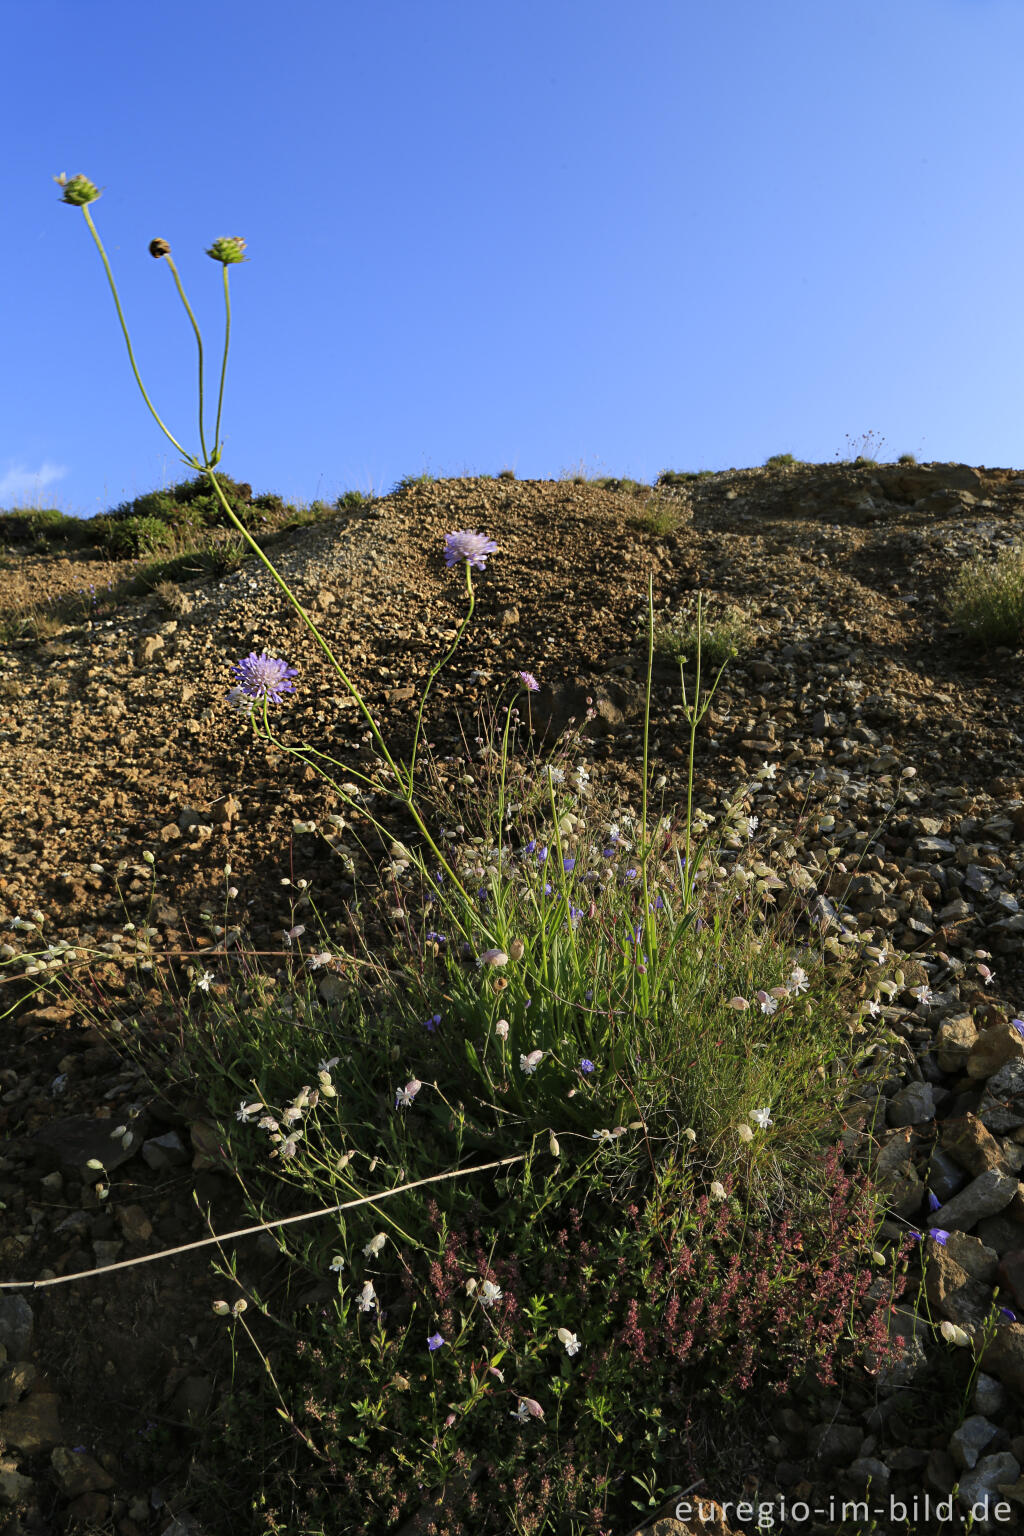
[1018,1025]
[1010,1316]
[940,1235]
[438,938]
[434,1342]
[542,856]
[432,1023]
[531,845]
[568,865]
[586,1066]
[933,1201]
[630,874]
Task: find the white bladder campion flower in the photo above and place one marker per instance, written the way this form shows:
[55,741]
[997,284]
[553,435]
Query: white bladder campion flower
[501,1029]
[717,1190]
[367,1297]
[405,1096]
[571,1342]
[375,1246]
[954,1335]
[489,1293]
[761,1117]
[337,1264]
[530,1063]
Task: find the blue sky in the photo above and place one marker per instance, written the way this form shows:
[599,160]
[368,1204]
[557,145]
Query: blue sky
[550,235]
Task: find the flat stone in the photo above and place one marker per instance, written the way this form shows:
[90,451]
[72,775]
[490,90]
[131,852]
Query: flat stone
[76,1472]
[79,1139]
[15,1326]
[967,1443]
[953,1041]
[951,1290]
[969,1143]
[993,1049]
[1011,1272]
[1002,1104]
[984,1196]
[913,1105]
[979,1261]
[32,1425]
[1004,1357]
[945,1176]
[989,1394]
[981,1487]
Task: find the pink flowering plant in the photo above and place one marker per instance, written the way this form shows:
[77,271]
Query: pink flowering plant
[602,1079]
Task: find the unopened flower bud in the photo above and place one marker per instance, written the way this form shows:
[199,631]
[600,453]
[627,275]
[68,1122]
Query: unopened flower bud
[515,949]
[78,191]
[159,248]
[228,249]
[553,1146]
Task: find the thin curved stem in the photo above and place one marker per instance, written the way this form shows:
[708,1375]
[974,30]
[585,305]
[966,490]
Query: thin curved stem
[224,365]
[199,344]
[127,339]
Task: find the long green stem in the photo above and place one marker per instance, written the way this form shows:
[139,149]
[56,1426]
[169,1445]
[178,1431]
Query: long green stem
[128,342]
[199,344]
[224,365]
[440,664]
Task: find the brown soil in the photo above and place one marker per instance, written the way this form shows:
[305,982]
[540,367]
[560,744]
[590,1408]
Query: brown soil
[115,742]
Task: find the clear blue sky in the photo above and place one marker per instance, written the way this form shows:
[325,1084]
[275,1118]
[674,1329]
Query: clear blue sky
[544,235]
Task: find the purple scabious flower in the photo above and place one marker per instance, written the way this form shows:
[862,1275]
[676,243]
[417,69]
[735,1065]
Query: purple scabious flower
[264,677]
[530,681]
[586,1066]
[471,546]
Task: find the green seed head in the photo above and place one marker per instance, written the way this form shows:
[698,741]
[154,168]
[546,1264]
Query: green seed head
[159,248]
[229,249]
[78,191]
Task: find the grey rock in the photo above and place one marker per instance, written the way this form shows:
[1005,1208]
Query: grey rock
[967,1443]
[15,1326]
[913,1105]
[1002,1103]
[869,1472]
[834,1445]
[984,1196]
[166,1151]
[989,1394]
[945,1176]
[979,1489]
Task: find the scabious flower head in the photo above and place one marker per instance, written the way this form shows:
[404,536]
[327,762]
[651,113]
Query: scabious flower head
[468,545]
[78,191]
[262,677]
[158,248]
[228,249]
[530,681]
[586,1066]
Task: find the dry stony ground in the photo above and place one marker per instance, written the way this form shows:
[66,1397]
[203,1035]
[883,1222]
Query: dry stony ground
[116,742]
